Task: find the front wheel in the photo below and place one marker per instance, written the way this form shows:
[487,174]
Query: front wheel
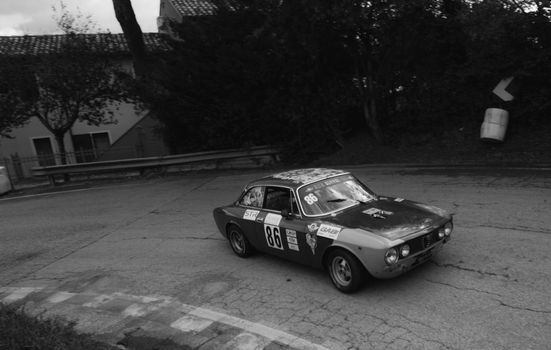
[345,271]
[239,243]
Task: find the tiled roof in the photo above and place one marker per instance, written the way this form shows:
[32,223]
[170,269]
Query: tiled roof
[196,7]
[35,45]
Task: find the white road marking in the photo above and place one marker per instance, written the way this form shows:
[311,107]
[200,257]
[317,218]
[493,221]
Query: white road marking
[60,297]
[99,300]
[257,328]
[194,319]
[138,310]
[191,323]
[19,293]
[138,298]
[247,341]
[134,310]
[7,289]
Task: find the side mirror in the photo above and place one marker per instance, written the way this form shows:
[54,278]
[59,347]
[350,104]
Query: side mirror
[286,214]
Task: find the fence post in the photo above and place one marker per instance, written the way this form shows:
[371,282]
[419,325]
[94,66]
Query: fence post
[17,168]
[140,145]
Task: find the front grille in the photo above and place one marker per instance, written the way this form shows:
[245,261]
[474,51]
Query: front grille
[423,242]
[427,240]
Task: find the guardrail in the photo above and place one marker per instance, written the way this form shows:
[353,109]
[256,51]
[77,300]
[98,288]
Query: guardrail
[261,155]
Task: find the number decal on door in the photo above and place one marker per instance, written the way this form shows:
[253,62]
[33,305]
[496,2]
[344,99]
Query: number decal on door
[273,237]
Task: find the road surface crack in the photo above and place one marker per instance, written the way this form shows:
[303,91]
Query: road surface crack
[463,288]
[522,308]
[486,273]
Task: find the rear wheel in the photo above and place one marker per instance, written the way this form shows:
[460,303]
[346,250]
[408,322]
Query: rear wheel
[239,243]
[345,271]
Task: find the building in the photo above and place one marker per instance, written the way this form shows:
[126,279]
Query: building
[177,10]
[134,134]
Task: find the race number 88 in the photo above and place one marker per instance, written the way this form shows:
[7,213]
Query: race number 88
[273,238]
[311,199]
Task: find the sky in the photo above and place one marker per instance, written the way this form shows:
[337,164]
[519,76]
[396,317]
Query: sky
[35,17]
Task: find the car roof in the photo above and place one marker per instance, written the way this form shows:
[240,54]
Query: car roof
[297,177]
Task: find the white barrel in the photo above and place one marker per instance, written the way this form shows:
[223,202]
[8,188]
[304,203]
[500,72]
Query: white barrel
[495,124]
[5,184]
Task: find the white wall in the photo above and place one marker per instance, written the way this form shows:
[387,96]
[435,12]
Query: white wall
[22,144]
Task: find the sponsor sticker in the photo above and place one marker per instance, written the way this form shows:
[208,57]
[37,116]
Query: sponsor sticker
[272,219]
[292,242]
[313,227]
[291,233]
[293,247]
[377,213]
[371,211]
[329,231]
[311,238]
[251,214]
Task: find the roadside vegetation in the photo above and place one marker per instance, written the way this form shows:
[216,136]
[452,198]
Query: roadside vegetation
[19,331]
[314,76]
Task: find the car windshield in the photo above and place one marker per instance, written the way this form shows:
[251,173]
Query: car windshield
[334,194]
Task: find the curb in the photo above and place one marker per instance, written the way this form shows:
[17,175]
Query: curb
[151,322]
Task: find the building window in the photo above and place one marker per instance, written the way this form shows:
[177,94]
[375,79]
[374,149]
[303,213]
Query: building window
[44,151]
[89,147]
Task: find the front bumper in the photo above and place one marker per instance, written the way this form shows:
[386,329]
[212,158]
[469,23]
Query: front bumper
[403,265]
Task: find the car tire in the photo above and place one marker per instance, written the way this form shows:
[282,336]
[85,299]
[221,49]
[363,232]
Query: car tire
[238,242]
[345,270]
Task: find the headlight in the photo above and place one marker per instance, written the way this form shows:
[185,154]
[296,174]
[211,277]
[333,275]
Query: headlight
[448,228]
[404,250]
[391,256]
[445,230]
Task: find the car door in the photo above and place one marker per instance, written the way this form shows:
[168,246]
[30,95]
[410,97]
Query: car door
[283,231]
[301,236]
[268,232]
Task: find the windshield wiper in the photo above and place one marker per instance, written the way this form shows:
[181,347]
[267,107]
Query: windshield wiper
[334,200]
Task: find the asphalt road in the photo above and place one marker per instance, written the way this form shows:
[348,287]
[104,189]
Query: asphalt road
[144,261]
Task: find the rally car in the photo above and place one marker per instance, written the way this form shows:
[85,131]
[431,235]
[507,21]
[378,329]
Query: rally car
[328,218]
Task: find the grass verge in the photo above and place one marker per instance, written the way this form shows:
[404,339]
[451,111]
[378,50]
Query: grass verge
[19,331]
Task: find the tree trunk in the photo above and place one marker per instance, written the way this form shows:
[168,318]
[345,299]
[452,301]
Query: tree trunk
[370,107]
[370,119]
[373,121]
[62,153]
[132,33]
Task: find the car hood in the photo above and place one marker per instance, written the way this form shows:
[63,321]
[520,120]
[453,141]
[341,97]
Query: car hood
[391,218]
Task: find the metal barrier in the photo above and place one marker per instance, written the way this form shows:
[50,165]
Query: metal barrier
[262,155]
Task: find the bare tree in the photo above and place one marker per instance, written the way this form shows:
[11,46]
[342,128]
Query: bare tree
[133,34]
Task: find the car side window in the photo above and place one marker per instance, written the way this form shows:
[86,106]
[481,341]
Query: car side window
[254,197]
[278,198]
